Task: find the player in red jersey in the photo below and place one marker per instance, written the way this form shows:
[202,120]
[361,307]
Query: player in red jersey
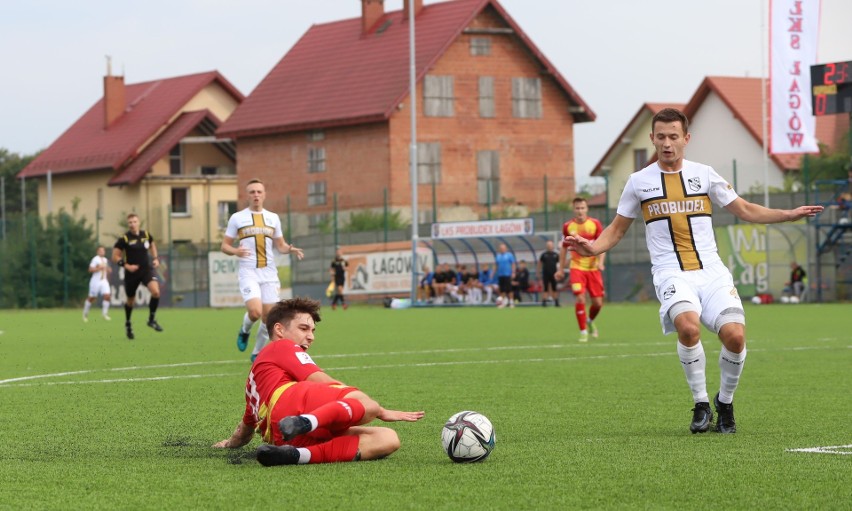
[585,272]
[303,414]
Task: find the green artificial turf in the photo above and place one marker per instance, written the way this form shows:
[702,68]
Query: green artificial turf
[91,420]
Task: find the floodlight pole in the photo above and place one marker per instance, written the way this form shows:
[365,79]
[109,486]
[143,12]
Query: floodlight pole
[412,79]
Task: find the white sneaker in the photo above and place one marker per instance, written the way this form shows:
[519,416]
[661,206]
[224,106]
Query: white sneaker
[107,317]
[85,319]
[594,330]
[584,337]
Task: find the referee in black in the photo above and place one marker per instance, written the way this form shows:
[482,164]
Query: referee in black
[131,251]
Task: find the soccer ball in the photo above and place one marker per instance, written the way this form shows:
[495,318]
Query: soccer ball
[794,299]
[467,437]
[785,299]
[756,300]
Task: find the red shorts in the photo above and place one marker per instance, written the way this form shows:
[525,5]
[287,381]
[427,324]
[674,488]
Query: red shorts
[583,280]
[305,397]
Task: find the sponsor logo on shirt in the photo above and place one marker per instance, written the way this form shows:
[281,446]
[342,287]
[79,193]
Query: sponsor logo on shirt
[304,358]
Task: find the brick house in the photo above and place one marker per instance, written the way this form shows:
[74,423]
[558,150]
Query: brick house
[332,119]
[145,148]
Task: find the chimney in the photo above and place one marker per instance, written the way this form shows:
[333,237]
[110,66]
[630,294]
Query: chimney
[371,11]
[418,6]
[114,100]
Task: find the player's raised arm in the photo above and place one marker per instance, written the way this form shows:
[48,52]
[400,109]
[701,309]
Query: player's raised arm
[755,213]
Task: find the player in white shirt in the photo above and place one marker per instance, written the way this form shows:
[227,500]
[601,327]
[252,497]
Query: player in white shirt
[257,231]
[98,284]
[675,198]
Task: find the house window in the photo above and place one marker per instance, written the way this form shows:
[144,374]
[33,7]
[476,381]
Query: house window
[316,135]
[526,98]
[208,171]
[316,193]
[180,202]
[480,46]
[640,159]
[316,159]
[428,163]
[488,177]
[175,161]
[225,210]
[438,96]
[486,96]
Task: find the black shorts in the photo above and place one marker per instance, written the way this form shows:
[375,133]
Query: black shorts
[505,284]
[548,282]
[339,280]
[141,276]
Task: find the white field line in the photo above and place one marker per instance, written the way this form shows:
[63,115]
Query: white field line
[829,449]
[13,382]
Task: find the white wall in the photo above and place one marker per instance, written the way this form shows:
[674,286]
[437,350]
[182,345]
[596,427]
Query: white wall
[718,138]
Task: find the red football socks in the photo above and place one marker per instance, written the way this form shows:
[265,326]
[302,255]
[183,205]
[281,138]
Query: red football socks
[339,415]
[580,309]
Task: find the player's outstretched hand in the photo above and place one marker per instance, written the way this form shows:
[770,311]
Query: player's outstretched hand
[396,415]
[806,211]
[222,445]
[297,252]
[578,244]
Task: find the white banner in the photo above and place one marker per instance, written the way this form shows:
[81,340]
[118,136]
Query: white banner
[510,227]
[794,31]
[223,279]
[382,272]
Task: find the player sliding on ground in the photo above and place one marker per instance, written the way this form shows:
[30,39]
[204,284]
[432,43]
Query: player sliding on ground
[303,414]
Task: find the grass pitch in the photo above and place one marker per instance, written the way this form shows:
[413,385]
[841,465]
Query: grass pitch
[93,421]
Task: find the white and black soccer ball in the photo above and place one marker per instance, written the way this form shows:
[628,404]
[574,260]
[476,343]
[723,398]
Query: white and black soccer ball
[756,300]
[467,437]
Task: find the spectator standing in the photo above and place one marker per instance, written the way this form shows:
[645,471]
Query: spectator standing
[338,273]
[548,265]
[506,267]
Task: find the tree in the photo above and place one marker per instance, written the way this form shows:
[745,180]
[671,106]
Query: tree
[10,165]
[43,267]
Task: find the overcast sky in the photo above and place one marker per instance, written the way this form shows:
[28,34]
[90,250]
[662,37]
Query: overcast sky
[617,54]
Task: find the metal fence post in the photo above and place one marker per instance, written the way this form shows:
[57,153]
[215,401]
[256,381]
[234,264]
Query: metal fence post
[546,216]
[64,225]
[32,263]
[335,220]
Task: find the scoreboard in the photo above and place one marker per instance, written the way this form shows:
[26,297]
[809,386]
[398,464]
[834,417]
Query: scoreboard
[831,87]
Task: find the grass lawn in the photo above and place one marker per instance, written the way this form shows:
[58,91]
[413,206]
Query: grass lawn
[91,420]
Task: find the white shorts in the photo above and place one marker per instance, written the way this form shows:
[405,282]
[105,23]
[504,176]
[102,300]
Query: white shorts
[710,291]
[98,288]
[260,283]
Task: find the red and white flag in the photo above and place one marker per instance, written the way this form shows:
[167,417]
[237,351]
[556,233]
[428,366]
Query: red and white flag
[793,35]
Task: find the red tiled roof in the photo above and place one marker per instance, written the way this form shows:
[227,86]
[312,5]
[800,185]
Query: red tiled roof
[743,97]
[335,75]
[142,164]
[86,145]
[652,108]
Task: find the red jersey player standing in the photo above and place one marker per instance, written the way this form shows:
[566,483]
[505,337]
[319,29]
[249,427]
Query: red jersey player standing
[585,272]
[303,414]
